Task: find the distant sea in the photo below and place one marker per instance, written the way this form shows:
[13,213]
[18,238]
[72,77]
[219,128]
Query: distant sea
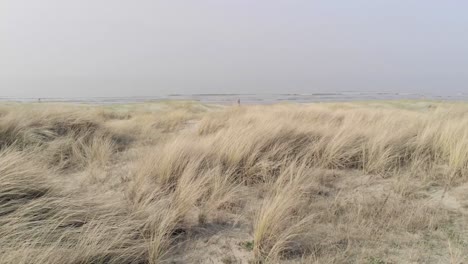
[249,98]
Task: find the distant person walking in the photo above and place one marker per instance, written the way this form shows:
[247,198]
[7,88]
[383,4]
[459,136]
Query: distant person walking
[238,102]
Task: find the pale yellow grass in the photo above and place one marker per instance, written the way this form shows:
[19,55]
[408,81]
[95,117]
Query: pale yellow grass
[181,182]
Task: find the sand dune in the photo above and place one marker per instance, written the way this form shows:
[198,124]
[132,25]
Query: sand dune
[182,182]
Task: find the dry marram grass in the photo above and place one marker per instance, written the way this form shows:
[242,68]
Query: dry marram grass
[182,182]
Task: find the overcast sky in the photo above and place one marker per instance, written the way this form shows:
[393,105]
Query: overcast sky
[122,48]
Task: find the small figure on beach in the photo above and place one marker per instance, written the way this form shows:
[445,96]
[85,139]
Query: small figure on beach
[238,101]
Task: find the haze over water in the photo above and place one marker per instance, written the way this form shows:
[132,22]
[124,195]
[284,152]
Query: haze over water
[270,50]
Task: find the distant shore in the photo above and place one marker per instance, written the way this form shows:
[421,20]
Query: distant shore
[247,98]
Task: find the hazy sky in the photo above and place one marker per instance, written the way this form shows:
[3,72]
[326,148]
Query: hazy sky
[122,48]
